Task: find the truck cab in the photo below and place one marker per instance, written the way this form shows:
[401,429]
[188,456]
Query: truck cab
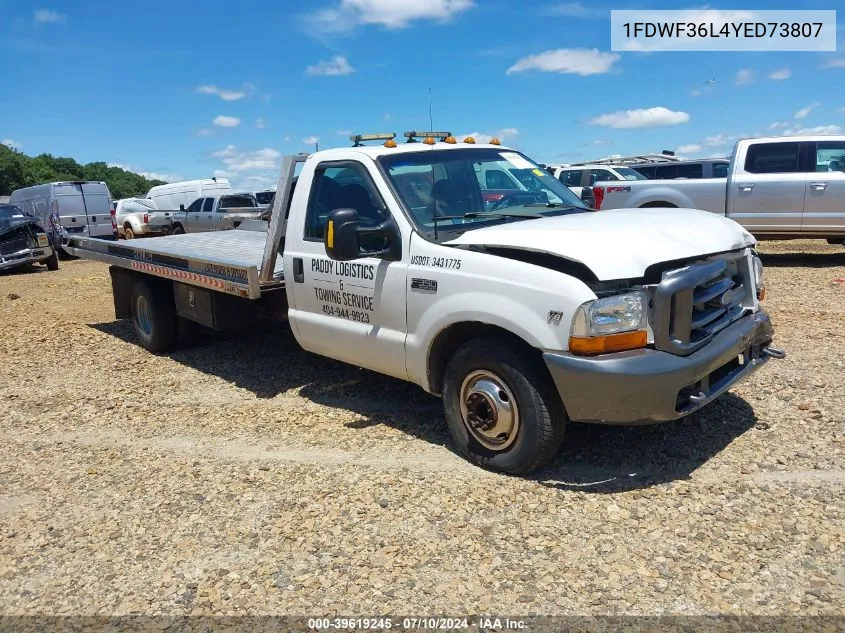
[209,212]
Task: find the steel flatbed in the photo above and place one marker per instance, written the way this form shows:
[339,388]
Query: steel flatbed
[224,261]
[244,262]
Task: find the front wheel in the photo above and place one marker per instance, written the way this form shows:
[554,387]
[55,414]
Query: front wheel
[178,229]
[52,261]
[501,407]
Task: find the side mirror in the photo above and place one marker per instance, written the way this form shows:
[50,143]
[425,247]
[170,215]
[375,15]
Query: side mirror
[342,237]
[182,208]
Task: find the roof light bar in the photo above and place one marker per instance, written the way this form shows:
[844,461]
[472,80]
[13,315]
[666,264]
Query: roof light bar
[413,135]
[358,139]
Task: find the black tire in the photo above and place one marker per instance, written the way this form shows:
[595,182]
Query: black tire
[178,229]
[52,261]
[541,416]
[153,315]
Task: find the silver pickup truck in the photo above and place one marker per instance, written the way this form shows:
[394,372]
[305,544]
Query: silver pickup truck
[777,188]
[214,213]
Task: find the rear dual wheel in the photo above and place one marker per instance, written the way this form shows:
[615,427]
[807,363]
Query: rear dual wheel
[501,407]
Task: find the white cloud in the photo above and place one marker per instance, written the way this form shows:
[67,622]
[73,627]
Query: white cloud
[223,93]
[783,73]
[719,139]
[311,140]
[744,77]
[649,117]
[391,14]
[835,63]
[260,123]
[203,131]
[504,133]
[803,112]
[222,173]
[777,125]
[692,148]
[344,132]
[819,129]
[696,93]
[841,110]
[336,66]
[11,144]
[152,175]
[227,121]
[576,10]
[235,160]
[576,61]
[46,16]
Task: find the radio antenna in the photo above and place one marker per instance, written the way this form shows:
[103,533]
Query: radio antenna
[430,117]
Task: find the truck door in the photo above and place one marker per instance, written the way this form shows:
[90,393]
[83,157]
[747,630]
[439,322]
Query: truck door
[353,311]
[192,216]
[206,217]
[824,201]
[766,192]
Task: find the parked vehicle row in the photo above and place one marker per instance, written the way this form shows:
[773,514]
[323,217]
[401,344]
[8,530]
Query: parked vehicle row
[776,188]
[521,317]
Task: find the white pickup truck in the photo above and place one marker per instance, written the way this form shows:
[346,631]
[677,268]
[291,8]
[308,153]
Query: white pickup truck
[138,217]
[777,188]
[521,314]
[213,213]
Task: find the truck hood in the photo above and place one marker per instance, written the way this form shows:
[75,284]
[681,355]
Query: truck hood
[8,225]
[619,243]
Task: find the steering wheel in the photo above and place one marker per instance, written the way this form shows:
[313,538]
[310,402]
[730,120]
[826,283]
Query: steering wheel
[510,196]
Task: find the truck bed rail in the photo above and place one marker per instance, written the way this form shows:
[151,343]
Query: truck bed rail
[234,269]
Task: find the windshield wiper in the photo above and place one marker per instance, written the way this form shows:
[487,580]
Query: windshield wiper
[482,214]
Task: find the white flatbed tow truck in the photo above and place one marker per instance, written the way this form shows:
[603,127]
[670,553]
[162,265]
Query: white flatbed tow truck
[521,308]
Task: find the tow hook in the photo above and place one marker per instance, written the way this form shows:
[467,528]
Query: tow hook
[775,353]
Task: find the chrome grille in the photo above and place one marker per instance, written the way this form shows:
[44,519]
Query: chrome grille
[694,303]
[10,247]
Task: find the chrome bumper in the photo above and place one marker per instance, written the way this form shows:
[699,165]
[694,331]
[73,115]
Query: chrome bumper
[646,385]
[26,256]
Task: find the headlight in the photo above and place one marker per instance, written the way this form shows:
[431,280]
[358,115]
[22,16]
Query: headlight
[759,279]
[610,324]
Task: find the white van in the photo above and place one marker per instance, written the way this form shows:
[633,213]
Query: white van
[82,206]
[175,194]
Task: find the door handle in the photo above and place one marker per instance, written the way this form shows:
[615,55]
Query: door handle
[818,186]
[298,270]
[746,187]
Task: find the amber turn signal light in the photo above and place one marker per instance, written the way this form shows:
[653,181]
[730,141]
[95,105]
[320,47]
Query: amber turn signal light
[610,343]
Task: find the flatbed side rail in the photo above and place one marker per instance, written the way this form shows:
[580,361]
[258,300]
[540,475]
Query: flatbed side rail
[241,281]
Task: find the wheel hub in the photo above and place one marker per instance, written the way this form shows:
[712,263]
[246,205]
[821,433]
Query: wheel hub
[489,410]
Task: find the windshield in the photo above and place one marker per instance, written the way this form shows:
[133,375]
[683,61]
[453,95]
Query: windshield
[629,174]
[465,189]
[235,202]
[265,197]
[8,211]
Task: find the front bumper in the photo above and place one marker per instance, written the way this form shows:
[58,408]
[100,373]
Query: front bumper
[647,385]
[25,256]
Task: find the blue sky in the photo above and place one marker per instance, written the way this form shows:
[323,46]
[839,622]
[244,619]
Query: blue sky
[188,89]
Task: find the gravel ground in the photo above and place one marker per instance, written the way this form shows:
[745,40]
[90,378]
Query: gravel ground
[245,476]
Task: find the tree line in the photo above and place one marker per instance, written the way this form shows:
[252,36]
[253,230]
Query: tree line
[19,170]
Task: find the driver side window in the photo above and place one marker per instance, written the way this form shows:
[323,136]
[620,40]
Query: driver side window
[341,186]
[195,206]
